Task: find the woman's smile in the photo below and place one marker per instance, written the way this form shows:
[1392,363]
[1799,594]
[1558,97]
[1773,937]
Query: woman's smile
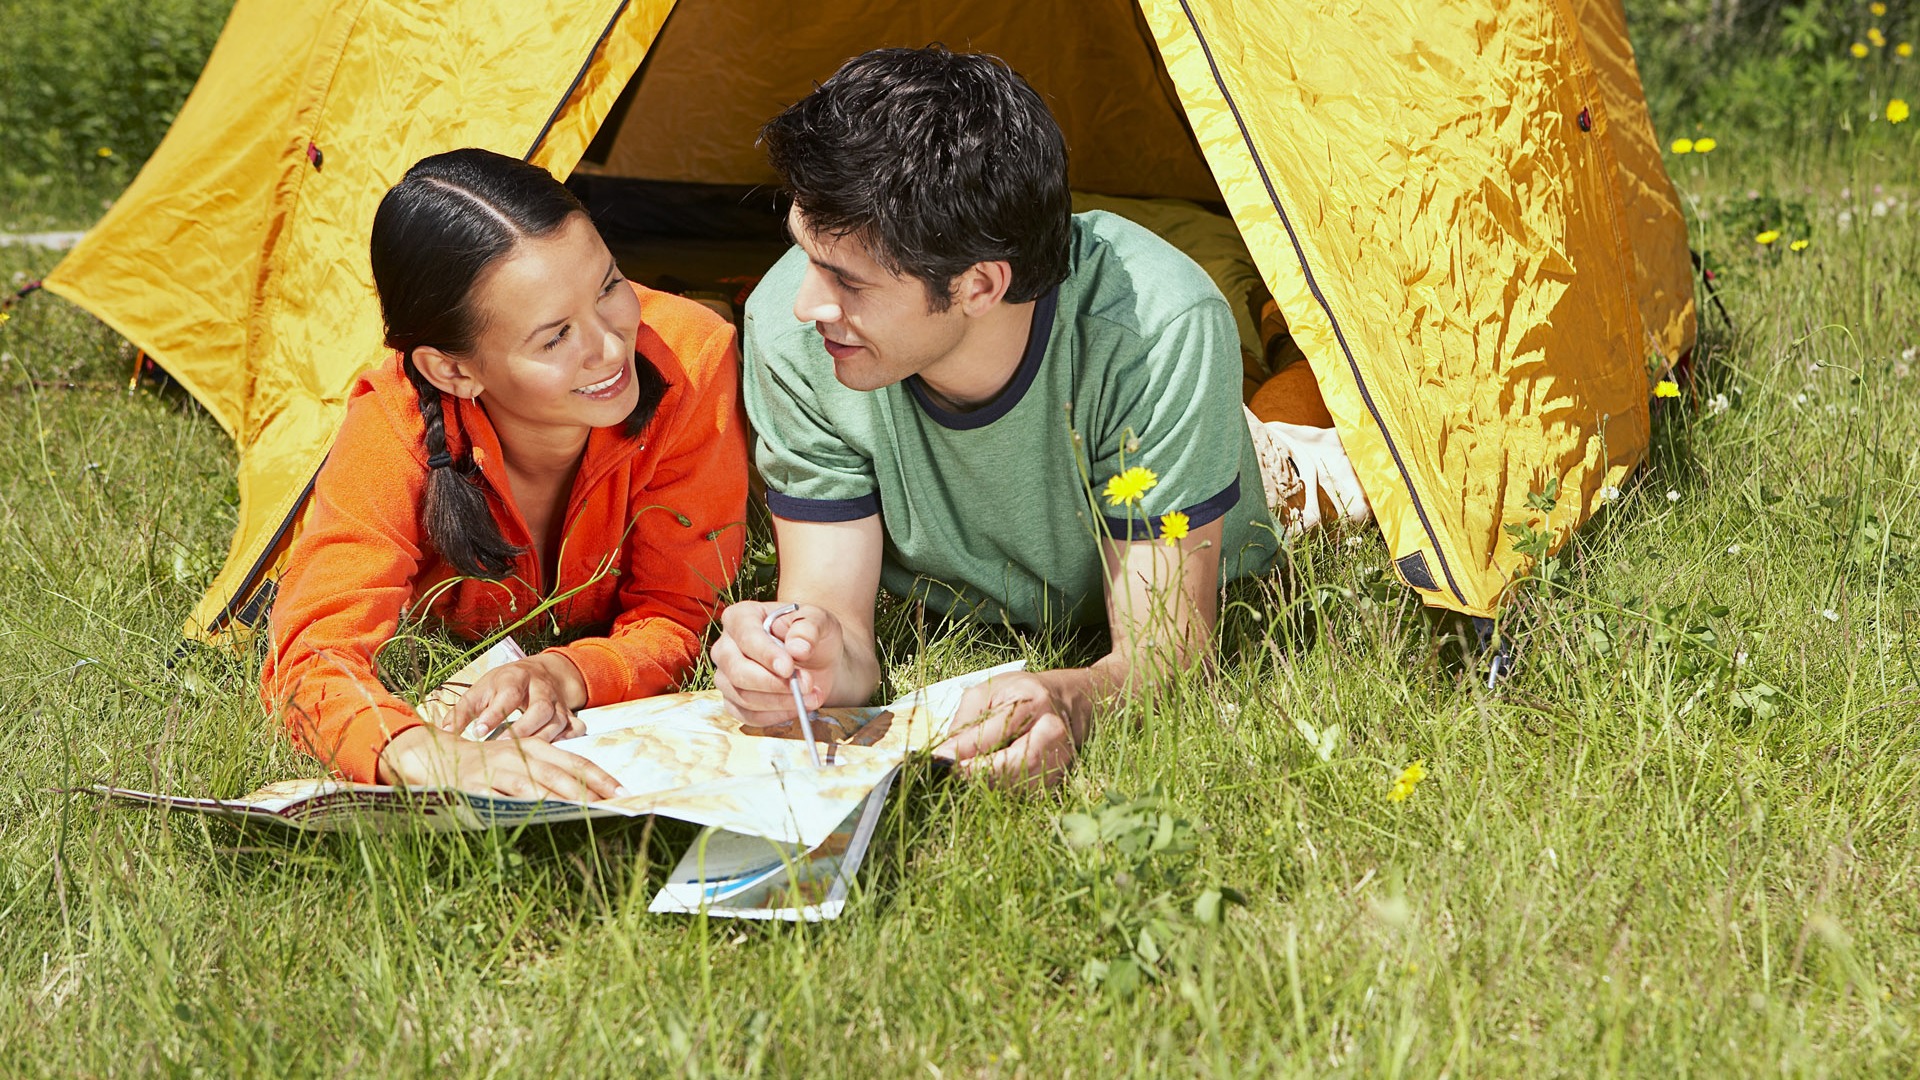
[609,387]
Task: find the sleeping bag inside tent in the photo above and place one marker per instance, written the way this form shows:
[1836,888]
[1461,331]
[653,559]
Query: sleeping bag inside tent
[1457,210]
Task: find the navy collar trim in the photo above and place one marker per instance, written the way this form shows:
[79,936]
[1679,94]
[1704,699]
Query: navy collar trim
[1023,376]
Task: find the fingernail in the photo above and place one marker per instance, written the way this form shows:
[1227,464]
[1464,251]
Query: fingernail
[621,792]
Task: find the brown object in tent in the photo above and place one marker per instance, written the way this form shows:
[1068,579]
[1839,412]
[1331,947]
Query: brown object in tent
[1290,395]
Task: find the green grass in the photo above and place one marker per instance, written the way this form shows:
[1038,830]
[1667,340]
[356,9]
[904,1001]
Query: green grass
[1624,861]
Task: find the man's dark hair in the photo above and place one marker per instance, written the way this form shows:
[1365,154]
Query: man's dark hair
[936,161]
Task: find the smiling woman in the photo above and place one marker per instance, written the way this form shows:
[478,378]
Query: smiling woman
[540,425]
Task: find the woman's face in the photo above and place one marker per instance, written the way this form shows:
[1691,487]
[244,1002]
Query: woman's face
[558,323]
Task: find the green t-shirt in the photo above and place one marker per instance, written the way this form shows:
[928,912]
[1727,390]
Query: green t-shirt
[987,512]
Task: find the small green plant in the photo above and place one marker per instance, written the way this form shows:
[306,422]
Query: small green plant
[1128,872]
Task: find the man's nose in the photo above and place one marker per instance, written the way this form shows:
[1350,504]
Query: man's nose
[815,302]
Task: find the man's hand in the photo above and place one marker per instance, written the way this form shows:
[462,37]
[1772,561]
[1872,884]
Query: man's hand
[751,666]
[1020,730]
[426,756]
[545,688]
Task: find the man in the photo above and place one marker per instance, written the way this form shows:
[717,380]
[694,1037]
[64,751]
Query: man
[970,395]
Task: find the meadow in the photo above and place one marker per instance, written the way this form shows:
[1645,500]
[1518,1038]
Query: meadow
[1680,840]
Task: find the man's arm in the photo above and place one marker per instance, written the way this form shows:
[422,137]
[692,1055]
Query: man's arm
[1162,602]
[832,570]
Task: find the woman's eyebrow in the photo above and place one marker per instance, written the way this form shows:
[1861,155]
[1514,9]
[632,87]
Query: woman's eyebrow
[543,328]
[613,268]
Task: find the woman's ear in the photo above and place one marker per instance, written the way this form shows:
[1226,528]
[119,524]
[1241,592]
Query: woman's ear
[447,372]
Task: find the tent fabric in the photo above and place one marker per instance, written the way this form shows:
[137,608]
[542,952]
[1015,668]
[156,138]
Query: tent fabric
[1650,208]
[721,68]
[1431,197]
[1459,208]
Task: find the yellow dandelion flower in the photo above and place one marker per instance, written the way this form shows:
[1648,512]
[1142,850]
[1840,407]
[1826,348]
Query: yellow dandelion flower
[1904,49]
[1767,237]
[1173,527]
[1682,146]
[1858,50]
[1897,111]
[105,151]
[1409,779]
[1800,245]
[1666,388]
[1879,9]
[5,317]
[1879,39]
[1128,487]
[1704,146]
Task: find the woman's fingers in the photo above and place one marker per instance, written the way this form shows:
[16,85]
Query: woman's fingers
[593,782]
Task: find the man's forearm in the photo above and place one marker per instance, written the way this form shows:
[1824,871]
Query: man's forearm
[1112,678]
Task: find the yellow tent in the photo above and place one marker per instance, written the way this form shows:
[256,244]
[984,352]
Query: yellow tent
[1459,207]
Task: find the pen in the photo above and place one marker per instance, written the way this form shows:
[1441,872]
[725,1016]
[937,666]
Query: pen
[793,683]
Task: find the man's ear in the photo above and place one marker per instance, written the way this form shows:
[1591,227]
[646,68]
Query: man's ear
[981,286]
[451,374]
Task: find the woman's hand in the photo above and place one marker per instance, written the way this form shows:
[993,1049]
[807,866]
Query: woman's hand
[427,756]
[545,688]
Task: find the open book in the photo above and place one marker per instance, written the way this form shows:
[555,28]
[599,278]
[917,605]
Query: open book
[784,840]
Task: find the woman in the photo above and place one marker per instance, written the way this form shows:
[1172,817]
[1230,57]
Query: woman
[544,431]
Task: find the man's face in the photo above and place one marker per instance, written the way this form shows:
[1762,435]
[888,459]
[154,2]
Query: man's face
[877,325]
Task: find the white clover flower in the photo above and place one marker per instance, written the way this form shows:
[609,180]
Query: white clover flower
[1672,495]
[1609,493]
[1911,352]
[1799,399]
[1718,404]
[1880,208]
[1740,658]
[1846,220]
[1830,615]
[1355,541]
[1733,549]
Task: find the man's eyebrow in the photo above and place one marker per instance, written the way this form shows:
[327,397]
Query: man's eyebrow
[843,274]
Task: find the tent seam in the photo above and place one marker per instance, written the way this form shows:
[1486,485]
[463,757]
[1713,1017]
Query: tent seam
[578,77]
[1313,286]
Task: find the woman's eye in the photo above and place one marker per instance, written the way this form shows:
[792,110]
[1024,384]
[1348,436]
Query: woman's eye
[554,343]
[608,289]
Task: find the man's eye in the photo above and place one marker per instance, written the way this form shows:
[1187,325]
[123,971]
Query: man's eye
[554,343]
[847,285]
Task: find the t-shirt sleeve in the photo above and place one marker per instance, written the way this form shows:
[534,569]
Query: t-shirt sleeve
[1175,414]
[810,471]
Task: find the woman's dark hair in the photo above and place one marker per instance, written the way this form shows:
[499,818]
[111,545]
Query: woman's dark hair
[450,218]
[936,161]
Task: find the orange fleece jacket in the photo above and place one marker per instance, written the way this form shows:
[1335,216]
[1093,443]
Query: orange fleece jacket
[363,558]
